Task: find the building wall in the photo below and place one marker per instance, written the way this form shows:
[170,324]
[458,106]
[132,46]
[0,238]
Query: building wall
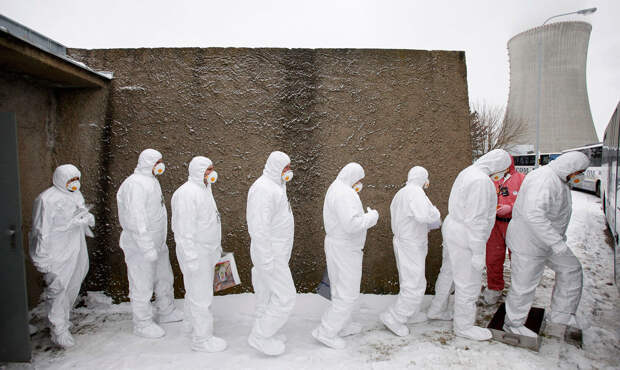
[386,109]
[565,117]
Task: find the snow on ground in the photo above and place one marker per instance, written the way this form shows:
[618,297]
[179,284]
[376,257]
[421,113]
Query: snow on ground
[104,339]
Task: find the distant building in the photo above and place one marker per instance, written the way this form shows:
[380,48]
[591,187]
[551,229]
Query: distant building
[565,117]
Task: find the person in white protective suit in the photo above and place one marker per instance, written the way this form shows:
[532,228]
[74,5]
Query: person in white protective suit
[60,222]
[271,227]
[143,217]
[537,238]
[345,228]
[413,215]
[198,236]
[471,216]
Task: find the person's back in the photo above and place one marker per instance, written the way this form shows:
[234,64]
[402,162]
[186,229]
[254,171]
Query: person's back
[544,203]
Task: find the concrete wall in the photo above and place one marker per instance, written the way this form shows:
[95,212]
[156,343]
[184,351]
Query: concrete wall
[386,109]
[54,126]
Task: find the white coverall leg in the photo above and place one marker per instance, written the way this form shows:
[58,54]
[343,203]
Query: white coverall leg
[411,263]
[444,285]
[526,273]
[344,268]
[145,278]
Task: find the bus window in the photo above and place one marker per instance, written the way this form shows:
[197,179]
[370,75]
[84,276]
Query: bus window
[596,156]
[544,159]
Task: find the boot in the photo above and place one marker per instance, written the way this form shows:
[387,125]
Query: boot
[213,344]
[491,297]
[352,328]
[174,316]
[333,342]
[64,339]
[268,346]
[149,330]
[418,318]
[520,330]
[475,333]
[395,327]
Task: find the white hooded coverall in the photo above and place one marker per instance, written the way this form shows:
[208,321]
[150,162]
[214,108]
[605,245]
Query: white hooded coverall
[271,227]
[198,236]
[345,228]
[143,217]
[471,216]
[412,213]
[540,218]
[60,221]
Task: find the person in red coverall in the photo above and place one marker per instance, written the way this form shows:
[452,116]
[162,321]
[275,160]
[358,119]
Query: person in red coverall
[507,190]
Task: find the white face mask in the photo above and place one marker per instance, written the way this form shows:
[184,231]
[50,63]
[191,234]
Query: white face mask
[358,187]
[211,178]
[73,186]
[287,176]
[576,179]
[427,184]
[159,169]
[498,175]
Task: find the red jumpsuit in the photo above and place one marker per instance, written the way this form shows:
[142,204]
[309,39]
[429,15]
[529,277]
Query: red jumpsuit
[507,190]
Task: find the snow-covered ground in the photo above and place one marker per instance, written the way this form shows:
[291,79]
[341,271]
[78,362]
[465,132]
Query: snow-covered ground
[104,339]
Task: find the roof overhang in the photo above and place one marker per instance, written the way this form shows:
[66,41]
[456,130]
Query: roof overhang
[25,51]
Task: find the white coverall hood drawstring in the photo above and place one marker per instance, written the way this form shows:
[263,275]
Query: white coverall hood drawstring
[568,163]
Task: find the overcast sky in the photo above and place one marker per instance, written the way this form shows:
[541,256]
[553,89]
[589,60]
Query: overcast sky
[479,27]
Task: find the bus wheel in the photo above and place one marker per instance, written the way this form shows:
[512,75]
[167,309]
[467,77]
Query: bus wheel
[598,189]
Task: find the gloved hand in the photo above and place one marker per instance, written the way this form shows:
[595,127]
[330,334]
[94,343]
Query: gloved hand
[559,248]
[504,210]
[434,225]
[193,265]
[371,217]
[151,255]
[90,220]
[478,261]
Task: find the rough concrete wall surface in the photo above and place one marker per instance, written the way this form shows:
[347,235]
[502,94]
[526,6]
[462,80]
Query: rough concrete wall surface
[565,117]
[386,109]
[54,126]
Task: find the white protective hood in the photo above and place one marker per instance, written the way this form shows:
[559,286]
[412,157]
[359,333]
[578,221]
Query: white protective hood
[568,163]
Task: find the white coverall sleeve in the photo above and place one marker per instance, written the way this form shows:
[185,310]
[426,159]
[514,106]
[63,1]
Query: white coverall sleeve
[350,217]
[423,210]
[480,214]
[136,200]
[185,215]
[536,216]
[261,207]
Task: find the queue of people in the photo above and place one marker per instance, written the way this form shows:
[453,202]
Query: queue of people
[491,206]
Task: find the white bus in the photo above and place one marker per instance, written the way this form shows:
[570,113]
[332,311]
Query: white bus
[611,185]
[524,163]
[592,179]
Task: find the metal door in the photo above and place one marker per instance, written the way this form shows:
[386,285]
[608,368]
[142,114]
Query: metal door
[14,333]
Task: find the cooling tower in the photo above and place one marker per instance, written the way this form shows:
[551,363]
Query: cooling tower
[565,117]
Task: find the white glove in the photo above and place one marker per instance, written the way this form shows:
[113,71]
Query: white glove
[90,219]
[150,255]
[371,217]
[478,261]
[193,265]
[434,225]
[559,248]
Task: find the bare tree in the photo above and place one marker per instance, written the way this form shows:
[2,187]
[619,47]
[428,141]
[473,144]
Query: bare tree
[491,128]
